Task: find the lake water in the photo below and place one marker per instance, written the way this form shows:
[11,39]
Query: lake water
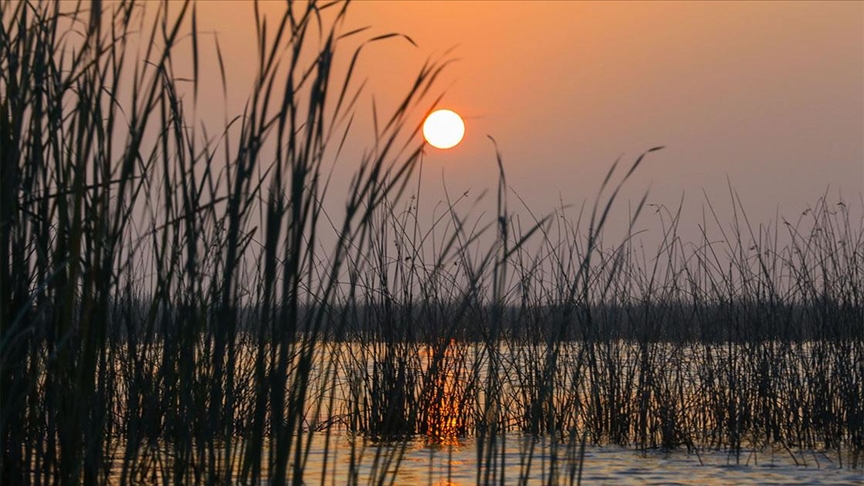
[450,452]
[528,460]
[457,464]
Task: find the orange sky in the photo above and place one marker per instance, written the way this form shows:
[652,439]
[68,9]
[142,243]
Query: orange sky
[769,94]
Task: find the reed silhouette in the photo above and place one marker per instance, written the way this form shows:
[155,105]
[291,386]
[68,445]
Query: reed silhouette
[171,311]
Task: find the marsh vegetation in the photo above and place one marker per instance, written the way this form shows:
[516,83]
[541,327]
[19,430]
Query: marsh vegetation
[178,305]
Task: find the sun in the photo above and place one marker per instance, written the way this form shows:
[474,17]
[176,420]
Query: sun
[443,129]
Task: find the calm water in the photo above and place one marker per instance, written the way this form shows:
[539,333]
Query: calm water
[458,465]
[450,456]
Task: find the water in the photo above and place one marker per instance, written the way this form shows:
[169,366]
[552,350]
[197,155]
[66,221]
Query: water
[457,464]
[444,447]
[618,466]
[419,462]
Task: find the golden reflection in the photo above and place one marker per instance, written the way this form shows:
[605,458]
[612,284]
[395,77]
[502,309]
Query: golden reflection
[445,418]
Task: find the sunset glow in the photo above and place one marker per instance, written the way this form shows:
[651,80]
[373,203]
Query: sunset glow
[443,129]
[228,256]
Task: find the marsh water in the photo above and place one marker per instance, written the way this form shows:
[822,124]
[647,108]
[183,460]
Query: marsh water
[457,465]
[347,459]
[445,442]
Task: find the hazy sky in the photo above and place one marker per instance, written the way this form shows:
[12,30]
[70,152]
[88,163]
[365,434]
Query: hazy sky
[770,95]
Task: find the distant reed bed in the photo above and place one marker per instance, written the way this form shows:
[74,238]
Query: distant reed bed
[171,311]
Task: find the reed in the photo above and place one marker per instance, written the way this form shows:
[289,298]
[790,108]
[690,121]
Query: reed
[173,309]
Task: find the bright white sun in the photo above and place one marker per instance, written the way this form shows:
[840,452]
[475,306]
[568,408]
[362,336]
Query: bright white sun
[443,129]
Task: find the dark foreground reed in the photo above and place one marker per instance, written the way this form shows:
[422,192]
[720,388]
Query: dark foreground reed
[172,309]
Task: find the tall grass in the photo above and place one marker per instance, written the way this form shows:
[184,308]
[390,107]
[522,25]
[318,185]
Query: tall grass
[172,312]
[133,241]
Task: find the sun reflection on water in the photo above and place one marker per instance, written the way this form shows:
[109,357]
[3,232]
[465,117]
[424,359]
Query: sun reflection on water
[445,419]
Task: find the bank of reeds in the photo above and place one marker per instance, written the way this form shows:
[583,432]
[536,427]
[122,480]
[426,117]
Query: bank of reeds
[171,311]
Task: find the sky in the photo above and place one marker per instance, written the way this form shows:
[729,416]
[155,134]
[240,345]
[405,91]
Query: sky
[767,96]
